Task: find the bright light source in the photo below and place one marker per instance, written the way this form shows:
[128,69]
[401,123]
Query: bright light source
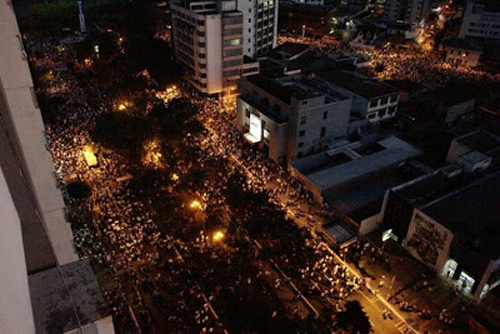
[195,205]
[175,177]
[218,236]
[122,107]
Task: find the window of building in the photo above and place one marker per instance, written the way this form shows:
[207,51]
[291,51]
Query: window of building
[302,133]
[301,144]
[372,115]
[323,131]
[201,55]
[203,75]
[232,42]
[303,120]
[299,155]
[201,33]
[202,65]
[393,98]
[325,114]
[373,103]
[385,100]
[392,110]
[304,102]
[383,112]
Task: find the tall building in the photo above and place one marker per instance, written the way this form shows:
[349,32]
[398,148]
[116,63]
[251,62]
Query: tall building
[407,11]
[481,20]
[260,19]
[216,40]
[37,251]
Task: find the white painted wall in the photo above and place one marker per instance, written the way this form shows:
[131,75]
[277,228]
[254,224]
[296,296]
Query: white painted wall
[16,316]
[16,79]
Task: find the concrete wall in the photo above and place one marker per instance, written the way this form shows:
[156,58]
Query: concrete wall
[213,36]
[26,123]
[457,111]
[16,316]
[370,224]
[428,241]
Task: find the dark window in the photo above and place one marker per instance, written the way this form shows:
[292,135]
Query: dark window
[301,144]
[303,120]
[373,103]
[372,116]
[302,133]
[323,131]
[325,114]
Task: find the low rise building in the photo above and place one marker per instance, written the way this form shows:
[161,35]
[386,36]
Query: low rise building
[370,99]
[462,52]
[348,162]
[448,220]
[290,117]
[474,151]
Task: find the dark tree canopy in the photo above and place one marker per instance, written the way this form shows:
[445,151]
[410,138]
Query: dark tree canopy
[354,319]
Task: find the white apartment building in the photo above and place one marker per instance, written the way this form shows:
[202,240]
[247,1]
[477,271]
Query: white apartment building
[260,18]
[36,241]
[370,99]
[208,40]
[481,20]
[216,40]
[290,117]
[407,11]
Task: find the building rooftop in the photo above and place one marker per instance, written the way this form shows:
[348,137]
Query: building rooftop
[447,97]
[298,87]
[363,197]
[480,141]
[64,297]
[324,174]
[357,84]
[433,186]
[472,214]
[404,85]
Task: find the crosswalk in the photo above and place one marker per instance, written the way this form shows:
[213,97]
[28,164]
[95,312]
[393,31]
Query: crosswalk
[402,327]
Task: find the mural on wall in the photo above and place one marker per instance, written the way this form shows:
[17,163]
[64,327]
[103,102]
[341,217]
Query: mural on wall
[427,240]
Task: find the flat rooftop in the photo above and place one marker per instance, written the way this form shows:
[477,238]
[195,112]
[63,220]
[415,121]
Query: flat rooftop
[298,87]
[57,294]
[433,186]
[360,85]
[363,197]
[473,214]
[480,141]
[326,171]
[447,97]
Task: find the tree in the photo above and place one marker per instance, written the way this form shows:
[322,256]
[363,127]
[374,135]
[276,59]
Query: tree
[121,132]
[354,319]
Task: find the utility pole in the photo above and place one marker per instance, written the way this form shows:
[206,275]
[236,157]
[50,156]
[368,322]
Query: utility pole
[81,16]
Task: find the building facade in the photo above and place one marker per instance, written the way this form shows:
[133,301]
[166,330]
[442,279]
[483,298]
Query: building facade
[481,20]
[370,99]
[260,19]
[448,221]
[290,117]
[208,41]
[35,237]
[215,40]
[407,11]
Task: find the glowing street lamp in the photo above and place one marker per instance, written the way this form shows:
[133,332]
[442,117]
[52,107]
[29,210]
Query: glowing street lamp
[218,236]
[196,205]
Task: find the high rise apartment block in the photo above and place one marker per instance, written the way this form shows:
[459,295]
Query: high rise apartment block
[216,40]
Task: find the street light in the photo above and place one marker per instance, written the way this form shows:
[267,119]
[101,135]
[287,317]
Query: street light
[218,236]
[196,205]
